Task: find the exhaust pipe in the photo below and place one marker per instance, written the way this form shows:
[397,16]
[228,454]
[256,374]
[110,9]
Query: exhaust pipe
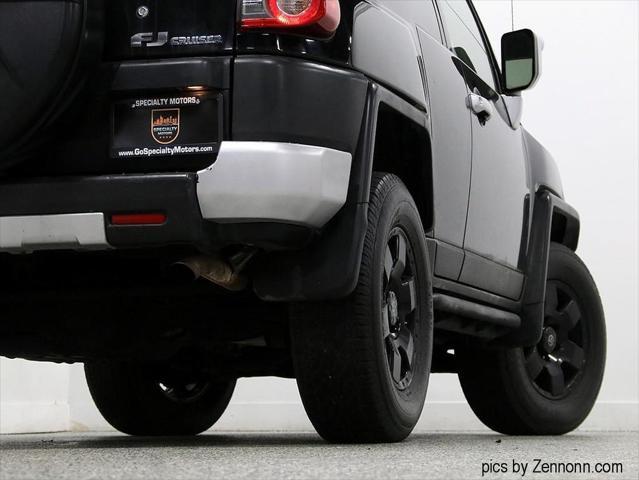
[226,274]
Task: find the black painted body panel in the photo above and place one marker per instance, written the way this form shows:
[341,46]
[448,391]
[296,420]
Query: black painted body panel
[543,169]
[281,99]
[179,18]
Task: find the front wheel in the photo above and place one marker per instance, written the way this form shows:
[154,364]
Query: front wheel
[362,364]
[548,389]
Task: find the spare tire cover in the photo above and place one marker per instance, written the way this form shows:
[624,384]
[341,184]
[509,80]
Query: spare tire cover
[41,43]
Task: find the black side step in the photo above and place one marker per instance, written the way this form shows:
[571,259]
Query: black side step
[461,316]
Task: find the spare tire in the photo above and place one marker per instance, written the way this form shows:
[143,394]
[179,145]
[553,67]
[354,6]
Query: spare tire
[47,49]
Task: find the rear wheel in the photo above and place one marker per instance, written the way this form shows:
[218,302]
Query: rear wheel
[362,364]
[152,400]
[550,388]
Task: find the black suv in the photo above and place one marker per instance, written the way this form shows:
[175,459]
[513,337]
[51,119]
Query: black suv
[337,191]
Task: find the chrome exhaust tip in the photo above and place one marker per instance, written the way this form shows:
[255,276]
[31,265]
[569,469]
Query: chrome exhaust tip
[216,270]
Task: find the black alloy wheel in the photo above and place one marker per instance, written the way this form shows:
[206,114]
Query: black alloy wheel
[555,364]
[183,390]
[400,308]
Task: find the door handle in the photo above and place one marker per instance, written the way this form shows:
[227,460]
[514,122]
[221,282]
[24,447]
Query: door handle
[480,106]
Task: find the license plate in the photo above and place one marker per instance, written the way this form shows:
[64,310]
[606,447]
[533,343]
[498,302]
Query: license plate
[168,126]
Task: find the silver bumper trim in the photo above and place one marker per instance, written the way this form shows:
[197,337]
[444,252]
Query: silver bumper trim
[52,232]
[274,182]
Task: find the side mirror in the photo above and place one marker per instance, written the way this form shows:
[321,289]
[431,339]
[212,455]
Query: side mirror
[520,60]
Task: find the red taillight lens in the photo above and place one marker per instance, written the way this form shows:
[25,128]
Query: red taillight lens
[323,15]
[138,219]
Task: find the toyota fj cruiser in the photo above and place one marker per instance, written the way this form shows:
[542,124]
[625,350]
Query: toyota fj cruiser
[336,191]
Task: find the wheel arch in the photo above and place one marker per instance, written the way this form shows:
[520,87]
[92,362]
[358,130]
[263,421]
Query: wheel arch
[543,169]
[402,146]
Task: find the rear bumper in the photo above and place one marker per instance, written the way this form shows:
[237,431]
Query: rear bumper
[272,181]
[268,194]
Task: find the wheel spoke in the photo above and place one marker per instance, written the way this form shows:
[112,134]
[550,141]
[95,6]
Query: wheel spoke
[572,354]
[407,346]
[552,299]
[385,321]
[534,364]
[401,250]
[569,316]
[395,360]
[556,377]
[399,264]
[388,266]
[407,297]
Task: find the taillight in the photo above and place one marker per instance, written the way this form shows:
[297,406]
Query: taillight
[320,15]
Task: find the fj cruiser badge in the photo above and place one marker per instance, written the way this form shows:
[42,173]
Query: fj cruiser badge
[149,39]
[165,125]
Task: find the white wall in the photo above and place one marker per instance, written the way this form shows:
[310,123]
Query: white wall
[33,397]
[585,110]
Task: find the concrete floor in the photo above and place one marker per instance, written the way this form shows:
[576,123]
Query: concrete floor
[301,456]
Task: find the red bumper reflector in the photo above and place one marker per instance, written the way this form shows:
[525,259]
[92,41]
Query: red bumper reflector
[138,219]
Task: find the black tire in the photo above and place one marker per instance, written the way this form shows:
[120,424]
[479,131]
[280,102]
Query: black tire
[135,401]
[548,389]
[344,351]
